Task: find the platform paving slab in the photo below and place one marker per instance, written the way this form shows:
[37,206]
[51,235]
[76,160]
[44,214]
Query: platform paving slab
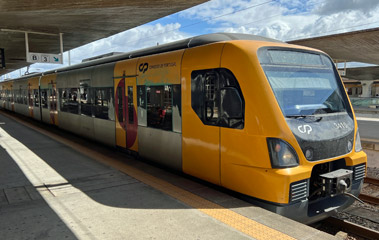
[60,193]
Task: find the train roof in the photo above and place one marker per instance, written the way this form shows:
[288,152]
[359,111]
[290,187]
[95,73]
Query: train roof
[173,46]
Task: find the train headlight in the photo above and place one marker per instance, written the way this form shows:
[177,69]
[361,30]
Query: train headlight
[358,145]
[349,145]
[282,154]
[309,154]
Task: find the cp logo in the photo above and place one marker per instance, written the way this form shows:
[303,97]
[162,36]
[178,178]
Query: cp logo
[143,67]
[305,128]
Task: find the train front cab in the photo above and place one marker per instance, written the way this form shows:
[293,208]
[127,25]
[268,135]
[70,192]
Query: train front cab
[253,154]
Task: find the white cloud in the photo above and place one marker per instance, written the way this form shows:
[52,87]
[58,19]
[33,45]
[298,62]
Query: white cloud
[136,38]
[280,19]
[287,19]
[337,6]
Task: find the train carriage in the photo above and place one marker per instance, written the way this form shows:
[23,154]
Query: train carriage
[263,118]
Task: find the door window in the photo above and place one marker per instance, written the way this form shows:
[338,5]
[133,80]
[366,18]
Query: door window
[217,98]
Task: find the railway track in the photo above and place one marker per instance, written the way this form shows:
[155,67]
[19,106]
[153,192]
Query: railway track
[373,181]
[353,228]
[368,198]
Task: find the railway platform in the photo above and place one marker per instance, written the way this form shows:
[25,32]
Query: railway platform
[54,185]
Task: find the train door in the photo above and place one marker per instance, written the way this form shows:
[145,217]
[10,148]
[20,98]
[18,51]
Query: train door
[131,114]
[12,98]
[53,103]
[124,83]
[2,97]
[10,102]
[120,108]
[201,138]
[7,102]
[30,100]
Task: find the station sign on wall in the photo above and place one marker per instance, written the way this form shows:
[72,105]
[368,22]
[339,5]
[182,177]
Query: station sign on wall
[2,58]
[44,58]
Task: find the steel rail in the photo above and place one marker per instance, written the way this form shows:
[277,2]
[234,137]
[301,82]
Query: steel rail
[370,180]
[369,199]
[353,228]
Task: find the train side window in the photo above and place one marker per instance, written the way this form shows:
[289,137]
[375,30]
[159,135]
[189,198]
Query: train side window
[104,103]
[73,101]
[12,96]
[44,98]
[110,93]
[52,98]
[25,96]
[120,103]
[217,98]
[19,99]
[205,95]
[100,104]
[211,97]
[141,105]
[36,97]
[130,105]
[17,95]
[86,99]
[22,96]
[159,107]
[63,100]
[177,108]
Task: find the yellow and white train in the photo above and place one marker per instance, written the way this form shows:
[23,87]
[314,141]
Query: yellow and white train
[260,117]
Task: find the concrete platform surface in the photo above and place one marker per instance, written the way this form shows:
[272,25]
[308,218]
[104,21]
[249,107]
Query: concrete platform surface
[52,187]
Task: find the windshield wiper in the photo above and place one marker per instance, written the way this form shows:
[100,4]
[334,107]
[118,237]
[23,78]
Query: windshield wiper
[297,116]
[308,117]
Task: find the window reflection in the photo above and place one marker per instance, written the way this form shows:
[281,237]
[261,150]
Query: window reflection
[159,107]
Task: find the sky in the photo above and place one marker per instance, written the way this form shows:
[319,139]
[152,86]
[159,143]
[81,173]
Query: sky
[279,19]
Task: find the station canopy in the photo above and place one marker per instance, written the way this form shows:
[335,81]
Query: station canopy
[363,73]
[358,46]
[81,22]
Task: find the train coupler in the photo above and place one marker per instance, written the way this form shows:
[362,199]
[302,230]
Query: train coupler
[337,182]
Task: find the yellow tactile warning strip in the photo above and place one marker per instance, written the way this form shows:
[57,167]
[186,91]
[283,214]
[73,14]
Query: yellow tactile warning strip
[235,220]
[224,215]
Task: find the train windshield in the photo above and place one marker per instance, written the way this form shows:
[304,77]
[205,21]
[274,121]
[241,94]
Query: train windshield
[303,83]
